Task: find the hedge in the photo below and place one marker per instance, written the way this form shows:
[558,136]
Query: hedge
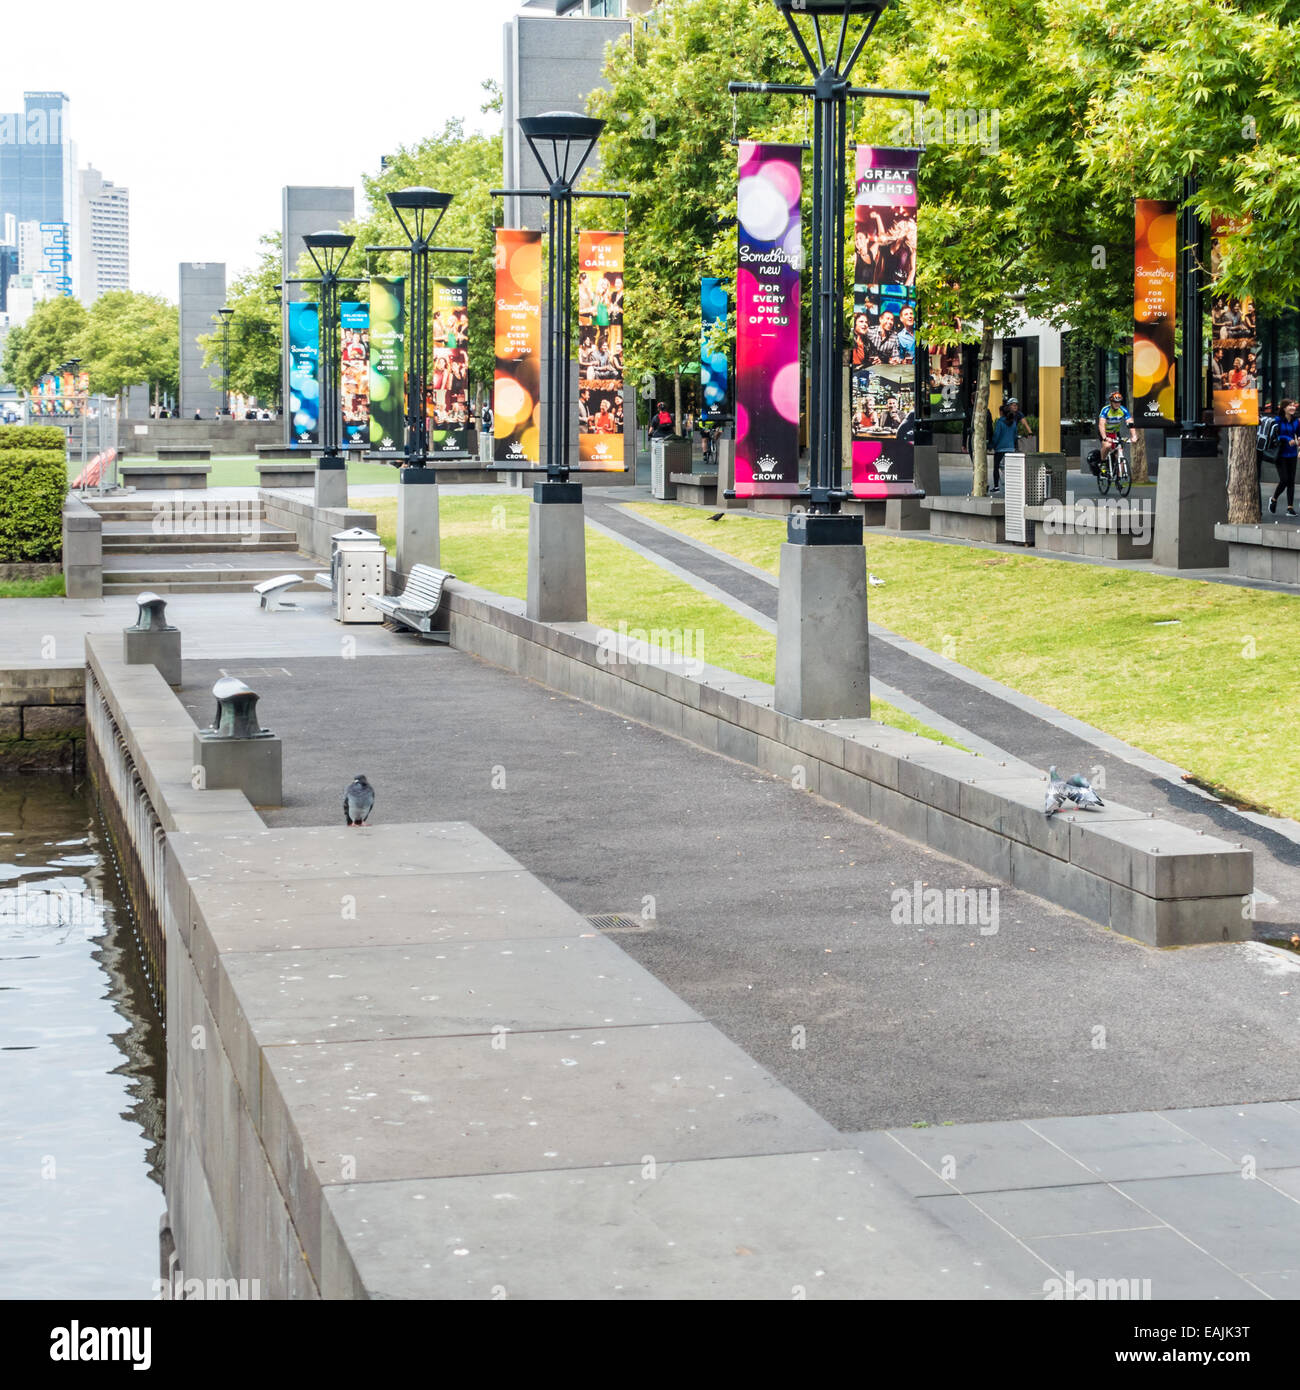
[32,437]
[33,484]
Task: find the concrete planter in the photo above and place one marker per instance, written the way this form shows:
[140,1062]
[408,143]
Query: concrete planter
[967,518]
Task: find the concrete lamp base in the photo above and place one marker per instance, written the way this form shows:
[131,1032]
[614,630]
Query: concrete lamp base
[822,668]
[557,554]
[1191,496]
[418,541]
[331,482]
[161,649]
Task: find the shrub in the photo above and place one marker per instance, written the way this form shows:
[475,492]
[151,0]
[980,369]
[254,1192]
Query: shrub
[33,484]
[32,437]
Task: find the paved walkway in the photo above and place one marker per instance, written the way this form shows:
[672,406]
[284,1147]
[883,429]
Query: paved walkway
[776,918]
[999,718]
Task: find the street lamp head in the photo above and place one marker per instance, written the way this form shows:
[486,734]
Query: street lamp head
[571,137]
[328,250]
[833,7]
[226,312]
[423,206]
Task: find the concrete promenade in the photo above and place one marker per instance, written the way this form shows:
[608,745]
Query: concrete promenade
[1006,1106]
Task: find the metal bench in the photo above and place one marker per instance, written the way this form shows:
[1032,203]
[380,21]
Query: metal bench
[272,591]
[416,605]
[322,577]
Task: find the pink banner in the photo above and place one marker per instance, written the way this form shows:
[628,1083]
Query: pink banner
[769,254]
[883,359]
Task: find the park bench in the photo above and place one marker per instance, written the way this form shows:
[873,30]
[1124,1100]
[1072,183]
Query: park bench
[416,605]
[272,591]
[176,453]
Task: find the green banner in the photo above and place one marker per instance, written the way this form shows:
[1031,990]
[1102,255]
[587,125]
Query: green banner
[387,362]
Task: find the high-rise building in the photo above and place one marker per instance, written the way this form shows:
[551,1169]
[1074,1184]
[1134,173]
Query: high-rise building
[38,161]
[104,224]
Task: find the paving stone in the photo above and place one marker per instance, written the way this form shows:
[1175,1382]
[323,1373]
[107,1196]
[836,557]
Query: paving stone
[805,1225]
[1175,1267]
[1062,1211]
[1125,1147]
[995,1157]
[1268,1133]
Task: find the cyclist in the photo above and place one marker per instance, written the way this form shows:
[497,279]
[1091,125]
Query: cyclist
[1112,417]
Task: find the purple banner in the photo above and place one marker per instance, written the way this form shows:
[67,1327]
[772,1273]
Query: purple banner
[769,255]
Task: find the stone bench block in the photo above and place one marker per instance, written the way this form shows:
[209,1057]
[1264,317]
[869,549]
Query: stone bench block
[1179,921]
[1159,859]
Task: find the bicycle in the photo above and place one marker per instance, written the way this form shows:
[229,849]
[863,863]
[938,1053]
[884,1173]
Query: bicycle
[1115,469]
[710,449]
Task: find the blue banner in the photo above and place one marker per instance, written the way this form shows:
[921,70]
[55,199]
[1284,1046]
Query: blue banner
[354,371]
[713,359]
[304,375]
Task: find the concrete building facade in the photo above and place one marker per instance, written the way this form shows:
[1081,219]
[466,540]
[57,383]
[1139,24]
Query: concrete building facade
[303,210]
[104,254]
[202,293]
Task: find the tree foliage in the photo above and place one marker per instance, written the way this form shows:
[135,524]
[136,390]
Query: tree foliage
[47,339]
[255,329]
[130,339]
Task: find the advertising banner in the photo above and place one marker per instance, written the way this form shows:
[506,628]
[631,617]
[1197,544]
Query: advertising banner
[516,390]
[713,360]
[354,371]
[947,374]
[447,391]
[600,351]
[883,360]
[304,377]
[56,255]
[1155,298]
[1234,349]
[769,255]
[386,400]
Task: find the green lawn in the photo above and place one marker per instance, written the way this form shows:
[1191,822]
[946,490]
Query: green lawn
[50,587]
[484,541]
[240,470]
[1199,674]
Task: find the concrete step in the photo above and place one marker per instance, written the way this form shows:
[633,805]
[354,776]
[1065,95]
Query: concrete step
[197,542]
[187,586]
[145,576]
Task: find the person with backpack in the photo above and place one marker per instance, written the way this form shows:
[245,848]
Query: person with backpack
[1288,430]
[1268,444]
[661,422]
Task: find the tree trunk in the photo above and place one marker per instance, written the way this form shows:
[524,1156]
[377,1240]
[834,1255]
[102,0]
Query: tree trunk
[979,417]
[1243,480]
[677,400]
[1138,463]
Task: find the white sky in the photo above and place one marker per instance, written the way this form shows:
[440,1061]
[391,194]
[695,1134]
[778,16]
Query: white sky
[205,112]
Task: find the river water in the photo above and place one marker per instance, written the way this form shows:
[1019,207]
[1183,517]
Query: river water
[82,1084]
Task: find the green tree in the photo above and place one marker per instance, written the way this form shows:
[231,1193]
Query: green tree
[468,166]
[48,338]
[1212,90]
[669,119]
[255,329]
[130,339]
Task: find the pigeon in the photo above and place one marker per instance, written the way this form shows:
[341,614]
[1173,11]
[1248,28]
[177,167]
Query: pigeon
[358,801]
[717,516]
[871,579]
[1081,792]
[1057,794]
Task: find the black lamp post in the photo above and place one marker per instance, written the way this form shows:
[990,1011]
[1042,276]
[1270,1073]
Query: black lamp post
[418,211]
[830,92]
[569,139]
[328,251]
[227,313]
[1195,442]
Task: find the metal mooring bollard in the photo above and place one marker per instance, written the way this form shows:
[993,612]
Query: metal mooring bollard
[152,641]
[235,751]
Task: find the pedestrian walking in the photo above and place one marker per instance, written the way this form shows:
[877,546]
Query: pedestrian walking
[1288,430]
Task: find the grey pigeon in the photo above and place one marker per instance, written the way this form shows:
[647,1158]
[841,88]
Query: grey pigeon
[358,801]
[1057,794]
[1081,792]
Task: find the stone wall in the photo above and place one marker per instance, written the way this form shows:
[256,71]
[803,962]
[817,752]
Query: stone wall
[42,719]
[223,437]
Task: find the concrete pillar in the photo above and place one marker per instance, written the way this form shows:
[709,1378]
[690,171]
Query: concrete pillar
[925,469]
[822,669]
[161,649]
[250,765]
[1191,496]
[727,474]
[557,554]
[418,540]
[331,483]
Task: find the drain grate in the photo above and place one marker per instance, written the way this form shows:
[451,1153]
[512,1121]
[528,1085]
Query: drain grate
[618,922]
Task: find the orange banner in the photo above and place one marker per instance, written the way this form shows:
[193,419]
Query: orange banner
[1155,297]
[516,394]
[1234,351]
[600,351]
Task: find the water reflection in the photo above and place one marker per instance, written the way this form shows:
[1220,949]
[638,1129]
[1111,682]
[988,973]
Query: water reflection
[81,1058]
